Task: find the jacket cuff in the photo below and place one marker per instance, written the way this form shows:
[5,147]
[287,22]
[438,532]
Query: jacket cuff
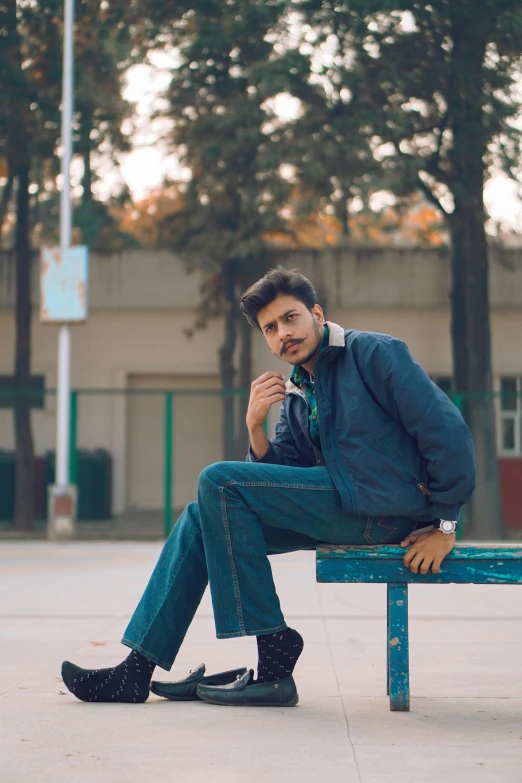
[270,458]
[443,511]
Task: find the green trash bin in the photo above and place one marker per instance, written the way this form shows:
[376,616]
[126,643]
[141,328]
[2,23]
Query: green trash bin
[94,485]
[7,485]
[94,482]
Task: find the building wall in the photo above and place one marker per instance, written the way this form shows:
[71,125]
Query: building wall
[141,303]
[346,279]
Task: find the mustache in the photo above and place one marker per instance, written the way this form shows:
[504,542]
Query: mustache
[290,342]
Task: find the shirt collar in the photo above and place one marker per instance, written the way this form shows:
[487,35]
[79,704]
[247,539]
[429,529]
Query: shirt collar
[299,374]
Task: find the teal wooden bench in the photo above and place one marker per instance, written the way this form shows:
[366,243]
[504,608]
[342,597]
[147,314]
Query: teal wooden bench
[477,564]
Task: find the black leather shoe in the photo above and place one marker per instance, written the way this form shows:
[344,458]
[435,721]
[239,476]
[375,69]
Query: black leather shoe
[186,690]
[245,693]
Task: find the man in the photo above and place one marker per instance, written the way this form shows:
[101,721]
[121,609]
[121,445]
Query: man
[367,451]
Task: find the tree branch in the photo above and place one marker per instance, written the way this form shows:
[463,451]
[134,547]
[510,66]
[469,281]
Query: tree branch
[431,196]
[432,163]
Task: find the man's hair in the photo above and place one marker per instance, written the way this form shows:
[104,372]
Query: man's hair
[277,282]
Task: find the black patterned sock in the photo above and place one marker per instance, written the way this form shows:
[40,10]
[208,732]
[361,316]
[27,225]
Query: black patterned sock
[278,654]
[129,682]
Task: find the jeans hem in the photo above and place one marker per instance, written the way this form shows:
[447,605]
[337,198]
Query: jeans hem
[244,632]
[147,654]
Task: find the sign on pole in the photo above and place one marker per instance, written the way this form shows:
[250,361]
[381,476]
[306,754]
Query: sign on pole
[63,284]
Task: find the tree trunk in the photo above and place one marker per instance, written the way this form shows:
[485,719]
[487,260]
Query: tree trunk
[24,493]
[472,362]
[226,360]
[4,201]
[245,379]
[87,175]
[470,320]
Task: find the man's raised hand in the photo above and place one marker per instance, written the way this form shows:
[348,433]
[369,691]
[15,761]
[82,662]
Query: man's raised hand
[264,392]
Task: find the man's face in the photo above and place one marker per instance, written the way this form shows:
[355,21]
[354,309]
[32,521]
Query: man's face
[293,332]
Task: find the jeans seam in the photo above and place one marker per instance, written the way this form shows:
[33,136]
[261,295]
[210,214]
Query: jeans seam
[235,580]
[276,485]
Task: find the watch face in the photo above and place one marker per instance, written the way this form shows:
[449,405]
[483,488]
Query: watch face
[447,526]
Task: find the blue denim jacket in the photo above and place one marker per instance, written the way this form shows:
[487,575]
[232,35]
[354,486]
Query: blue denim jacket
[393,442]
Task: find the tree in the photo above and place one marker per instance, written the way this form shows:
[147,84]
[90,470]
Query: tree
[222,128]
[30,95]
[27,126]
[438,85]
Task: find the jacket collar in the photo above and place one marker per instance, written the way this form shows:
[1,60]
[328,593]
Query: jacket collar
[336,335]
[336,340]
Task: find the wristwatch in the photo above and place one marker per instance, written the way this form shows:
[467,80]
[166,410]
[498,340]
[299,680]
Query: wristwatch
[446,526]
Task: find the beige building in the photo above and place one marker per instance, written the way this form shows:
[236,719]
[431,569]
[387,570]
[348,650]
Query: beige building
[140,305]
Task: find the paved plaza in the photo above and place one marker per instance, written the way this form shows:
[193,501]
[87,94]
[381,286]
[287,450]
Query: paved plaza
[73,601]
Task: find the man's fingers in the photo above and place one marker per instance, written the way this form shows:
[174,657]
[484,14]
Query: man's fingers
[268,398]
[415,562]
[274,398]
[262,391]
[435,568]
[266,376]
[271,383]
[425,565]
[409,540]
[408,557]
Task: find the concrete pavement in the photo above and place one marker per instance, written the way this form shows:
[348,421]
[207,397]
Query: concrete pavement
[73,600]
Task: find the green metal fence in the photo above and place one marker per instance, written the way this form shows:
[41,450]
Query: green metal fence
[167,447]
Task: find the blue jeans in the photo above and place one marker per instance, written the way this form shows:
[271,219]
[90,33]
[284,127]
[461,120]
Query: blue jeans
[245,511]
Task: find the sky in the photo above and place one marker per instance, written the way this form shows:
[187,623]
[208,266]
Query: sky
[150,161]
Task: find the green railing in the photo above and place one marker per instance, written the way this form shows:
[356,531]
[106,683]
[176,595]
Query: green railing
[169,396]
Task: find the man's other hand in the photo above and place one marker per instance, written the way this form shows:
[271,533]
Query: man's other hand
[427,550]
[264,392]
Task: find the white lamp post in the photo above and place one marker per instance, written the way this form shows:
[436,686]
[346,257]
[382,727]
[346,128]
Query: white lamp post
[62,499]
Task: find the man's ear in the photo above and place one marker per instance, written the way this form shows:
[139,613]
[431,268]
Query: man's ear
[317,310]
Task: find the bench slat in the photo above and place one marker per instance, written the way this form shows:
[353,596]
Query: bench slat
[464,565]
[460,551]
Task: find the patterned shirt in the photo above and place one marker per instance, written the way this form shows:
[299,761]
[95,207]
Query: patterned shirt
[301,378]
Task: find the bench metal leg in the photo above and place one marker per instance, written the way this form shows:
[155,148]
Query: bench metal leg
[398,658]
[388,641]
